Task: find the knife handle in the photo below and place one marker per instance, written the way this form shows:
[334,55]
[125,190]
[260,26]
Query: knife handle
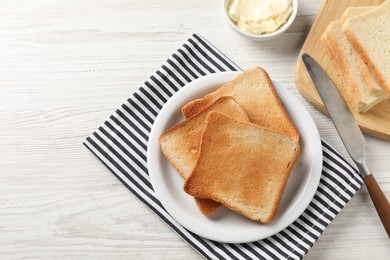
[380,201]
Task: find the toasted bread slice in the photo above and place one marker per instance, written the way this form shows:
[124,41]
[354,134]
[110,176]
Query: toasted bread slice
[369,34]
[359,87]
[253,182]
[180,144]
[254,91]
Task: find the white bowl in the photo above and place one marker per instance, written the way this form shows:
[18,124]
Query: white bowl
[260,37]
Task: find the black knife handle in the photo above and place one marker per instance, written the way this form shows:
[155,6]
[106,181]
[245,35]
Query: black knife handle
[380,201]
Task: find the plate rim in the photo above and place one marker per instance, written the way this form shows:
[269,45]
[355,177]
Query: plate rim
[306,196]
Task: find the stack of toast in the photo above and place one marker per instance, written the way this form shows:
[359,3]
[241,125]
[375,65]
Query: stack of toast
[237,147]
[359,46]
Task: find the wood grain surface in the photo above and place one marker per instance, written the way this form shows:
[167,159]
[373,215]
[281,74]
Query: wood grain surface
[376,121]
[380,201]
[65,66]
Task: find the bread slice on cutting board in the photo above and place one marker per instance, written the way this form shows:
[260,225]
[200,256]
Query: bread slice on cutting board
[180,144]
[355,11]
[359,86]
[253,182]
[254,91]
[369,34]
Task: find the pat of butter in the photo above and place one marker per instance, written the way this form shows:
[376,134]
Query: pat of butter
[260,16]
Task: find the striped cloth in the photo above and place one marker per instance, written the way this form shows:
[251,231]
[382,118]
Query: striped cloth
[121,144]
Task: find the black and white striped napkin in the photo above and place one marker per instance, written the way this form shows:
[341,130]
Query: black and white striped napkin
[121,144]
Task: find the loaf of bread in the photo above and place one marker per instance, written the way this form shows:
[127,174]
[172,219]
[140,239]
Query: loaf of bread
[371,84]
[369,34]
[254,91]
[359,86]
[180,144]
[243,166]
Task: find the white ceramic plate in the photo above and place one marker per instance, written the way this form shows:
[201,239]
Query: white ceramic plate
[226,225]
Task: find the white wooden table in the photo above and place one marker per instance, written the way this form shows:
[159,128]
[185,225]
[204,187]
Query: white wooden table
[64,67]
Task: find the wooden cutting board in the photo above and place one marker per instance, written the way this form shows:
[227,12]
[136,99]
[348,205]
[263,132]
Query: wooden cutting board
[375,122]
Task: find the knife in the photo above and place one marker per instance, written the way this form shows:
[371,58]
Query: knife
[349,133]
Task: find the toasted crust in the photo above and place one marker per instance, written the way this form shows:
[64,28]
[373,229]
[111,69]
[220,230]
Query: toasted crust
[207,206]
[180,144]
[369,35]
[194,107]
[254,91]
[253,183]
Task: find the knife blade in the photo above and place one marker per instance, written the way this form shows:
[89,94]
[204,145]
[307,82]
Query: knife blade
[349,133]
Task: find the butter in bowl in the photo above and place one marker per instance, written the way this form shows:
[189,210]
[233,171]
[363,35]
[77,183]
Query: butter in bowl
[260,20]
